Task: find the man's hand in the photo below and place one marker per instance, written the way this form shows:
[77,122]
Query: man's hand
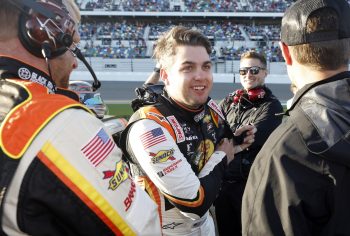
[248,132]
[226,145]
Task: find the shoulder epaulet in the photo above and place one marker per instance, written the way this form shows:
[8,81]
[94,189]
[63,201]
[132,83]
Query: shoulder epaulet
[20,127]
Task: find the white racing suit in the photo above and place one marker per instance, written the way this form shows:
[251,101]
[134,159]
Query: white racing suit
[173,157]
[113,125]
[68,177]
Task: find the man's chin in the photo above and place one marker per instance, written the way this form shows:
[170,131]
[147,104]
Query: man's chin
[250,86]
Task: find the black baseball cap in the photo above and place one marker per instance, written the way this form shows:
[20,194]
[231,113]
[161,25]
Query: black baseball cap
[293,30]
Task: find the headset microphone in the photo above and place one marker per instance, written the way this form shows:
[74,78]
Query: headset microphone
[46,50]
[96,84]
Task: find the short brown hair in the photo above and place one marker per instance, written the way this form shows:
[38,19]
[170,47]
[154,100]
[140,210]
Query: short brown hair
[178,36]
[254,55]
[325,55]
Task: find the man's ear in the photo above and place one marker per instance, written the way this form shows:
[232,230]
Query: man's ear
[265,72]
[164,76]
[286,53]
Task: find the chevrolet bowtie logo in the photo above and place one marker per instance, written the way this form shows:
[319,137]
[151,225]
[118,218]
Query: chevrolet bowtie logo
[171,226]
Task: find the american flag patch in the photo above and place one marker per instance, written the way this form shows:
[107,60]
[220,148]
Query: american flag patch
[152,137]
[98,148]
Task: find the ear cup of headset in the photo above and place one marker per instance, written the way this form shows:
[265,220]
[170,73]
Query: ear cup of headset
[252,95]
[237,96]
[256,94]
[35,30]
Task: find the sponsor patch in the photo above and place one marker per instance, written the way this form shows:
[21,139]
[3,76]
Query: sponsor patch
[210,127]
[180,136]
[162,156]
[129,199]
[118,176]
[215,118]
[98,148]
[191,138]
[171,225]
[207,119]
[26,74]
[199,116]
[216,108]
[203,153]
[152,137]
[169,169]
[159,117]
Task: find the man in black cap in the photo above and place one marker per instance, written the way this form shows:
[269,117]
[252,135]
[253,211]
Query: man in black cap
[299,182]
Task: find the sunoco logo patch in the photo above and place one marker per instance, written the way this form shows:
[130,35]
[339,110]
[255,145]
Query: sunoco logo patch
[162,156]
[119,176]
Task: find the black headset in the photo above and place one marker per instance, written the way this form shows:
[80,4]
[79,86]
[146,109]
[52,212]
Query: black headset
[46,30]
[45,26]
[250,96]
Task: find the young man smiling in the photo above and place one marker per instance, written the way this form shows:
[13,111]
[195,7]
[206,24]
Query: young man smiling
[179,146]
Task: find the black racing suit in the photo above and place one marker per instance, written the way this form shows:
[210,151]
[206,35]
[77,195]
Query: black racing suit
[262,113]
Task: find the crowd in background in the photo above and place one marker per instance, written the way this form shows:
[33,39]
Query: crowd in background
[127,39]
[185,5]
[131,38]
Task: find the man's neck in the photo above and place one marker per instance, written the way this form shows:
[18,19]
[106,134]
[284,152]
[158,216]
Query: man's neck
[13,48]
[303,75]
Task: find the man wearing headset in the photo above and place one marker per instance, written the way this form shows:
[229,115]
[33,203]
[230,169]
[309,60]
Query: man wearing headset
[60,172]
[253,104]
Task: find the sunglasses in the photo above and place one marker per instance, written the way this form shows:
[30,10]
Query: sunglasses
[254,70]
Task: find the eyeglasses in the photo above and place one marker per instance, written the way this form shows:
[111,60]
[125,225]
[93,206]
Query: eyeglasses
[254,70]
[73,49]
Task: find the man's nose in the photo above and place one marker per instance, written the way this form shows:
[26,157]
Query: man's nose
[75,63]
[200,74]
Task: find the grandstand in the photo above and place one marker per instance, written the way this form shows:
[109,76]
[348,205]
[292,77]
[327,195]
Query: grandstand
[185,5]
[119,35]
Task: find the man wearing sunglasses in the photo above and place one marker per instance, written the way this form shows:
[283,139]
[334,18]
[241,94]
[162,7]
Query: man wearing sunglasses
[253,104]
